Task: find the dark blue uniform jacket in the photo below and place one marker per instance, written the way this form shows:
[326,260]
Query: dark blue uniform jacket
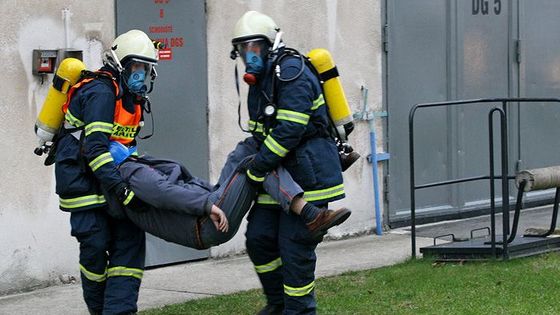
[80,187]
[297,137]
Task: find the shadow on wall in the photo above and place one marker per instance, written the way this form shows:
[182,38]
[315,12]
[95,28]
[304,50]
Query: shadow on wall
[18,273]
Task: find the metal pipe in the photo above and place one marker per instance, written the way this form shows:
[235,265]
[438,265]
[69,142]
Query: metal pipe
[373,144]
[370,117]
[412,183]
[453,181]
[517,212]
[375,172]
[505,183]
[492,188]
[66,18]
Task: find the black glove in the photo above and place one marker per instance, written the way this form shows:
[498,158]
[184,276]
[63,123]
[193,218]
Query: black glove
[114,206]
[129,199]
[254,178]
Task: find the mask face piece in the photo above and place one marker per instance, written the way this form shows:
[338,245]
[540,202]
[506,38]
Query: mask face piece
[254,63]
[136,80]
[253,53]
[135,76]
[253,67]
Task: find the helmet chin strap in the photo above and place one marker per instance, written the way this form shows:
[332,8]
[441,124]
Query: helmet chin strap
[236,74]
[152,79]
[277,40]
[116,61]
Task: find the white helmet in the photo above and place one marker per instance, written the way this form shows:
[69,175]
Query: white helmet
[133,44]
[254,25]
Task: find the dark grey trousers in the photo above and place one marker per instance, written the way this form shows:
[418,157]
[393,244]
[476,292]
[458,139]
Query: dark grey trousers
[233,194]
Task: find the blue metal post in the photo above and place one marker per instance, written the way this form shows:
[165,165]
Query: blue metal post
[374,158]
[373,144]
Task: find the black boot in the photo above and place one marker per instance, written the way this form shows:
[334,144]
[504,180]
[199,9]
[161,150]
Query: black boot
[272,309]
[92,312]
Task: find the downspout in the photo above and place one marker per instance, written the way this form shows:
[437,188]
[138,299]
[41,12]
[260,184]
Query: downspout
[374,158]
[66,18]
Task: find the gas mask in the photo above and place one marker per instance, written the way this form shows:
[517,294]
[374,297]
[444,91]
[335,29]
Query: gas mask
[135,82]
[253,53]
[136,76]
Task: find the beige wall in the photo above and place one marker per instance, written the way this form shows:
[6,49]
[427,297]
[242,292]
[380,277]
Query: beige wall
[351,31]
[35,245]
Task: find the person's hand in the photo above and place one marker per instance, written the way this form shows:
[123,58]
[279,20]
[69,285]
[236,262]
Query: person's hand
[219,218]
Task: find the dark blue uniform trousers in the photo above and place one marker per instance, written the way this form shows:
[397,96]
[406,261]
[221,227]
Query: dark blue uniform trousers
[283,252]
[112,254]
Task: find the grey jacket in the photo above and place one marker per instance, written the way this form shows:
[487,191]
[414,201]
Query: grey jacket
[166,184]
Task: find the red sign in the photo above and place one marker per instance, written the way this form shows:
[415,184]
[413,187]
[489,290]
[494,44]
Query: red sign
[165,54]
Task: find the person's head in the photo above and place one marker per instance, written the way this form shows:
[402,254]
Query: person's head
[254,36]
[134,57]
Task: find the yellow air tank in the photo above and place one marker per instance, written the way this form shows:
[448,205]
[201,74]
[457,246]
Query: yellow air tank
[339,110]
[51,116]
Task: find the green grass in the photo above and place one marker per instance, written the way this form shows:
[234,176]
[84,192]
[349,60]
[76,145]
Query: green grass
[519,286]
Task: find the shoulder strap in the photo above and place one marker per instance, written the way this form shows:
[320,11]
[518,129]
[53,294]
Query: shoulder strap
[103,76]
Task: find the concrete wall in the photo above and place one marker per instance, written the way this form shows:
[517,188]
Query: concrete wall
[351,31]
[35,246]
[35,243]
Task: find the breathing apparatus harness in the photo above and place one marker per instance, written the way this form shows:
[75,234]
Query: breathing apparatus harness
[144,100]
[77,132]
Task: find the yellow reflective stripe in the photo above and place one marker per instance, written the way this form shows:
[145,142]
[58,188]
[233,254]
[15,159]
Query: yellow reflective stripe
[265,199]
[326,193]
[255,178]
[275,147]
[255,126]
[301,291]
[100,161]
[271,266]
[125,272]
[318,102]
[81,201]
[99,126]
[73,120]
[290,115]
[93,276]
[311,195]
[128,198]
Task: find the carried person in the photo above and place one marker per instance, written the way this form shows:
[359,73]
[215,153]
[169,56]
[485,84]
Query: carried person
[189,211]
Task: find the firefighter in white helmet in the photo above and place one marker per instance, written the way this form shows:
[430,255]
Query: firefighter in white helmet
[106,105]
[289,121]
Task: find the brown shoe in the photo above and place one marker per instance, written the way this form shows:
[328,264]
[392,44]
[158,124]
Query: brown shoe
[326,219]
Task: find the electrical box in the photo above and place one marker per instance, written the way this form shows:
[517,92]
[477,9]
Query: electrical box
[47,60]
[44,61]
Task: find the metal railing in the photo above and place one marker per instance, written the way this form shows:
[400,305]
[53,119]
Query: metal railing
[504,177]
